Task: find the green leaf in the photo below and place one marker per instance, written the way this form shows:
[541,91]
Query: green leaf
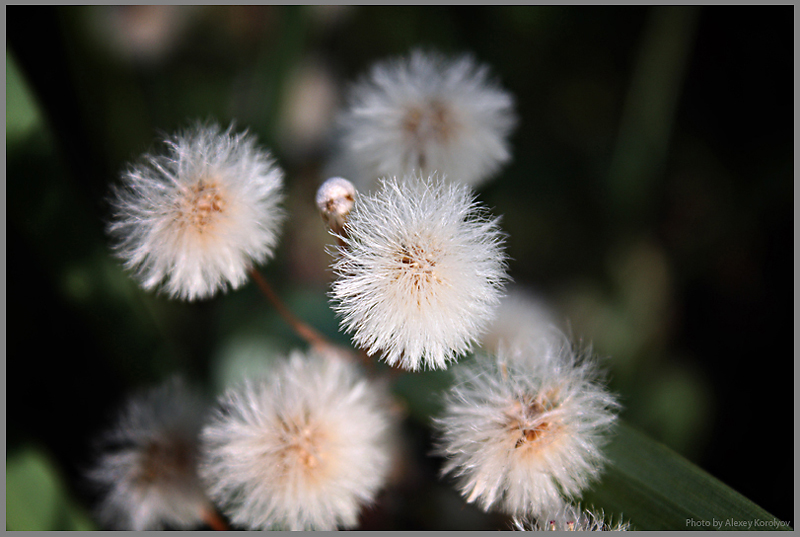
[36,498]
[31,492]
[654,488]
[22,113]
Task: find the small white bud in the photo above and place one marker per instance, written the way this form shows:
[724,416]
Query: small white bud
[335,199]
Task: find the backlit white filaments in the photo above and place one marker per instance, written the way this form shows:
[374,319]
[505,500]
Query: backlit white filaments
[420,274]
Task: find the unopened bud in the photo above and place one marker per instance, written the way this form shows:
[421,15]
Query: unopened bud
[335,199]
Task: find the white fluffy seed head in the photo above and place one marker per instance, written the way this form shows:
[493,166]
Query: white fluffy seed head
[524,432]
[426,113]
[146,470]
[569,518]
[420,273]
[193,219]
[335,199]
[305,449]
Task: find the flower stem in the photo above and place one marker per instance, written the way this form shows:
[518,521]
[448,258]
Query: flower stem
[212,518]
[314,338]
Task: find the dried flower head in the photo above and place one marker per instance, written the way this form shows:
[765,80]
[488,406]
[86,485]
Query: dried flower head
[194,220]
[525,431]
[335,199]
[426,113]
[306,449]
[569,518]
[420,273]
[147,467]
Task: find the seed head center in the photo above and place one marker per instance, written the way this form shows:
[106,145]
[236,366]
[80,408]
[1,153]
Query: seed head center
[527,417]
[433,121]
[302,445]
[202,203]
[163,461]
[417,265]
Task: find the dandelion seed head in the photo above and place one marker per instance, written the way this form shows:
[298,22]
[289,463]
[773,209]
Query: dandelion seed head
[193,219]
[524,432]
[426,113]
[568,518]
[420,274]
[146,470]
[305,449]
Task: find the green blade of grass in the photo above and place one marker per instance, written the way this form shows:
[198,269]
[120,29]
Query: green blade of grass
[656,489]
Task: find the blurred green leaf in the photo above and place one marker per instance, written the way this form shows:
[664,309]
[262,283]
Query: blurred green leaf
[31,492]
[656,489]
[22,113]
[36,498]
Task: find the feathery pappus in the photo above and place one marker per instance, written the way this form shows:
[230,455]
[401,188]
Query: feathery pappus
[192,219]
[425,113]
[147,466]
[523,432]
[569,518]
[304,449]
[420,273]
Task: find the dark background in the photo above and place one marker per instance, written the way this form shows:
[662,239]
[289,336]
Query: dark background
[649,201]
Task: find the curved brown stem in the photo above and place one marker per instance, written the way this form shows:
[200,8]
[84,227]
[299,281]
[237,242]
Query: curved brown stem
[369,362]
[212,518]
[314,338]
[393,372]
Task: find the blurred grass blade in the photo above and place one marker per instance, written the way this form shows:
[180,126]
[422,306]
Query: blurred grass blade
[650,107]
[656,489]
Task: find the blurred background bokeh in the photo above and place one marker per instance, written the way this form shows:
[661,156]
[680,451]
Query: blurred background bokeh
[649,204]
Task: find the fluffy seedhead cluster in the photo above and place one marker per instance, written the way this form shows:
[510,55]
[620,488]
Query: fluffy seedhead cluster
[569,518]
[420,273]
[147,467]
[426,113]
[523,432]
[192,218]
[305,449]
[420,270]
